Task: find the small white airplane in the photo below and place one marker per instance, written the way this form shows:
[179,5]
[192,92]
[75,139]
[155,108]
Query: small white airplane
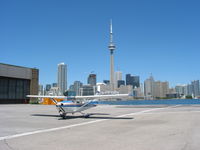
[74,104]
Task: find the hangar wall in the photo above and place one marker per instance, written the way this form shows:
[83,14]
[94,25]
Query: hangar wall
[16,82]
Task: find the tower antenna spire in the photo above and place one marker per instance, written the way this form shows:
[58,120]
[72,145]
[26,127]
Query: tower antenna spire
[110,25]
[111,32]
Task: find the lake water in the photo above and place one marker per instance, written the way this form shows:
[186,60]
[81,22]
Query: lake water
[153,102]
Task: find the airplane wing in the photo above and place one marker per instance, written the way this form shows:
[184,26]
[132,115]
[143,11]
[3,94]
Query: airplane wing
[102,96]
[46,96]
[82,97]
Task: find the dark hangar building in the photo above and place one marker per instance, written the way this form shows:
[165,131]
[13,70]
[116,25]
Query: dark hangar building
[16,82]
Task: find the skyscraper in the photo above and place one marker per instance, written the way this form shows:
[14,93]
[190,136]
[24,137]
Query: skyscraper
[118,76]
[77,86]
[133,80]
[161,89]
[54,84]
[149,87]
[120,82]
[106,81]
[87,90]
[189,89]
[41,90]
[92,79]
[111,47]
[181,89]
[195,88]
[48,87]
[62,78]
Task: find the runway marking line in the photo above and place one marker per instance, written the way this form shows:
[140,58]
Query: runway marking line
[79,124]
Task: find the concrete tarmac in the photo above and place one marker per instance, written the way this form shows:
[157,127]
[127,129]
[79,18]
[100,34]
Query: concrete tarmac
[39,127]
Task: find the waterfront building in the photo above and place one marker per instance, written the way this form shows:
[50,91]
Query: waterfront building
[86,90]
[71,91]
[161,89]
[155,89]
[106,81]
[172,92]
[133,80]
[195,88]
[41,90]
[16,82]
[136,81]
[62,78]
[172,95]
[125,89]
[48,87]
[92,79]
[149,87]
[181,90]
[54,84]
[129,80]
[138,92]
[164,88]
[118,76]
[54,91]
[71,88]
[103,88]
[189,89]
[99,87]
[77,86]
[111,47]
[120,82]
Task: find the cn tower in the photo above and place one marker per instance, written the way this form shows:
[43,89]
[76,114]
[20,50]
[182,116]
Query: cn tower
[111,47]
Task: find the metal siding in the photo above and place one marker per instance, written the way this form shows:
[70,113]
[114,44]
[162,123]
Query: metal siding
[13,90]
[15,71]
[16,82]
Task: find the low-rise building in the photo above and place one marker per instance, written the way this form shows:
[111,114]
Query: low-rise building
[16,82]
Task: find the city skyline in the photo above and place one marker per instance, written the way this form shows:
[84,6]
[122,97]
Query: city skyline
[152,37]
[148,90]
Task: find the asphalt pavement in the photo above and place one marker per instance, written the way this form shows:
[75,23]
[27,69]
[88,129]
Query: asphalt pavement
[161,127]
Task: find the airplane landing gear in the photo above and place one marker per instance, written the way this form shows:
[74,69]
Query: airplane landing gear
[63,115]
[87,115]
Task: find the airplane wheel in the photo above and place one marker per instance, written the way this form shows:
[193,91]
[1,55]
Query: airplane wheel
[63,115]
[87,116]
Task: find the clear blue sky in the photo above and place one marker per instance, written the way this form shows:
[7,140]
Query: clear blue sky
[161,37]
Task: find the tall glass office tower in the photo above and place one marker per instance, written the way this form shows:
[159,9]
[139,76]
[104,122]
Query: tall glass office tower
[62,78]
